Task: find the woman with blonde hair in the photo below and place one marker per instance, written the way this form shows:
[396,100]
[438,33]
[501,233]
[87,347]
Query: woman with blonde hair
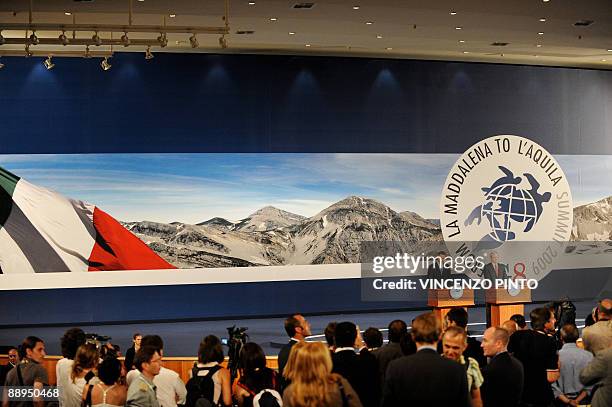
[312,383]
[85,361]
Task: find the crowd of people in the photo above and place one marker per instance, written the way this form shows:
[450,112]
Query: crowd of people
[424,364]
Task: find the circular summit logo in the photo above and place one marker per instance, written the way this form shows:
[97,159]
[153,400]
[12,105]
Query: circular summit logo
[502,192]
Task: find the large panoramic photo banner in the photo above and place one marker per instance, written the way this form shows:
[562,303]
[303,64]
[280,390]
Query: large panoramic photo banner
[192,218]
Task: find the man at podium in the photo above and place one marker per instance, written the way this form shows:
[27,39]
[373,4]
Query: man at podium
[495,269]
[437,271]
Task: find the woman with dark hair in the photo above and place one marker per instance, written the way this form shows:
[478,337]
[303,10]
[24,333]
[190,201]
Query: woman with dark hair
[254,375]
[70,342]
[108,392]
[85,361]
[210,355]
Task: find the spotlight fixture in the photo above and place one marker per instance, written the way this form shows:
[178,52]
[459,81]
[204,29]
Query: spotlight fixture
[2,40]
[87,53]
[539,45]
[223,42]
[542,20]
[251,3]
[369,22]
[291,33]
[461,41]
[162,39]
[458,28]
[307,45]
[105,65]
[172,15]
[540,33]
[125,40]
[34,39]
[194,41]
[98,41]
[389,49]
[48,63]
[28,53]
[379,36]
[149,54]
[355,7]
[63,39]
[453,13]
[273,19]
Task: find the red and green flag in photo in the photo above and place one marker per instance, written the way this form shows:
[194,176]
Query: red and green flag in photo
[42,231]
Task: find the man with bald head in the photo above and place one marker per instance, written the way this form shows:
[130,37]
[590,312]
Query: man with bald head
[503,375]
[598,336]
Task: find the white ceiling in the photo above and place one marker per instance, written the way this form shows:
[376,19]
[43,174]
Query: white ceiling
[409,28]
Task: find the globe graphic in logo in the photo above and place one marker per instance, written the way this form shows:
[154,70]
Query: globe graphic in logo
[508,208]
[505,205]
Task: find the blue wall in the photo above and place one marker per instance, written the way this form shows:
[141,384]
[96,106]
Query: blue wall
[241,103]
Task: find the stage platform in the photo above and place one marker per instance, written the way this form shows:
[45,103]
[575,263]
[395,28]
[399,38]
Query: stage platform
[182,338]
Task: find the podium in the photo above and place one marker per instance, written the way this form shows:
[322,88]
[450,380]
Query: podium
[443,300]
[501,305]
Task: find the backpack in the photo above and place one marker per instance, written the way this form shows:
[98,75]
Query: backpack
[267,398]
[201,389]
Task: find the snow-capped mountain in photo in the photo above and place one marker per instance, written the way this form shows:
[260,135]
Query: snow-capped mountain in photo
[272,236]
[593,221]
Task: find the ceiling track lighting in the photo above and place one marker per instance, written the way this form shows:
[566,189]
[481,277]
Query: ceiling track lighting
[96,39]
[63,39]
[148,54]
[105,65]
[162,39]
[48,63]
[34,39]
[125,40]
[194,41]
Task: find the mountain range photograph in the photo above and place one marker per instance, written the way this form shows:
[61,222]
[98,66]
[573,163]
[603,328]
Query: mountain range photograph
[189,209]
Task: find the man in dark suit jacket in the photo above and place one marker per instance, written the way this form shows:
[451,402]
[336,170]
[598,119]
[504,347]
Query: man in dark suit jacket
[437,271]
[392,350]
[13,360]
[298,329]
[503,376]
[361,370]
[495,269]
[425,379]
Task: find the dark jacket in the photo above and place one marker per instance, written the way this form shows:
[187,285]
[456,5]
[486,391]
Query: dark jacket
[283,357]
[425,379]
[362,373]
[503,381]
[385,355]
[488,272]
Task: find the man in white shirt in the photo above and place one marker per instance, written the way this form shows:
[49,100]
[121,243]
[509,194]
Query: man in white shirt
[170,388]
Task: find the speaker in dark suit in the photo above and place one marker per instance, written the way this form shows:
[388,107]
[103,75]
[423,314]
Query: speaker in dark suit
[495,269]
